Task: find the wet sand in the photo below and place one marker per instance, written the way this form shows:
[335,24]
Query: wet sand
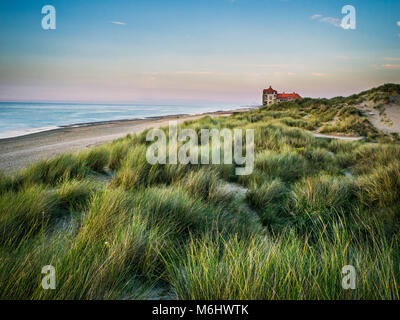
[19,152]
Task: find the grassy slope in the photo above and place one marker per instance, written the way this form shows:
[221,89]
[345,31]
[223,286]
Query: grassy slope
[116,227]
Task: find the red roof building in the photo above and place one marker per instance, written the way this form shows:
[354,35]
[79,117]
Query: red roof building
[270,91]
[271,96]
[287,96]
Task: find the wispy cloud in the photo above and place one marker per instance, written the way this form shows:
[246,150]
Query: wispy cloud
[151,73]
[398,23]
[330,20]
[260,65]
[344,57]
[391,59]
[195,72]
[391,66]
[119,23]
[333,21]
[316,16]
[319,74]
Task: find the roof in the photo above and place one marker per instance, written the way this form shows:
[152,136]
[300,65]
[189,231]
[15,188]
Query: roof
[288,95]
[270,90]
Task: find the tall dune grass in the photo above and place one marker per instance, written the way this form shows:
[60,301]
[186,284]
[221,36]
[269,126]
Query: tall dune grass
[284,267]
[24,213]
[116,227]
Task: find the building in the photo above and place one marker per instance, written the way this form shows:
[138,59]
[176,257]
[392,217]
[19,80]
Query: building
[271,96]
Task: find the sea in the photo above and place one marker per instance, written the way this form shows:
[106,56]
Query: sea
[22,118]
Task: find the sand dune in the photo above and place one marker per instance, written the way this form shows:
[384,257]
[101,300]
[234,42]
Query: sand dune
[385,117]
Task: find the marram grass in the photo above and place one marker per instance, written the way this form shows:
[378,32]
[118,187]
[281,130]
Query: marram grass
[116,227]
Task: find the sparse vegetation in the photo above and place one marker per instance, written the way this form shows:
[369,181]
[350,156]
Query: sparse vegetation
[310,207]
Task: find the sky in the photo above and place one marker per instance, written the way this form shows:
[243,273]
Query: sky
[203,52]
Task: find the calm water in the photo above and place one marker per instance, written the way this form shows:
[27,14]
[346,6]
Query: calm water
[22,118]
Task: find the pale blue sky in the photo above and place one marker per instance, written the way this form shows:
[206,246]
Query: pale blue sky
[194,52]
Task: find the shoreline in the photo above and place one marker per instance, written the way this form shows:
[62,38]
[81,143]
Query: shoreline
[31,131]
[105,122]
[21,151]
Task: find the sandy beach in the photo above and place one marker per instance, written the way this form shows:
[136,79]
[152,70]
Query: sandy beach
[19,152]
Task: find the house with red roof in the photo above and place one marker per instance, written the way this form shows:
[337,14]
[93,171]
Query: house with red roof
[271,96]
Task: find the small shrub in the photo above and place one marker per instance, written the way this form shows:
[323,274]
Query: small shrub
[318,156]
[54,170]
[323,192]
[286,166]
[74,194]
[381,187]
[6,183]
[95,159]
[173,207]
[270,199]
[118,151]
[206,185]
[24,213]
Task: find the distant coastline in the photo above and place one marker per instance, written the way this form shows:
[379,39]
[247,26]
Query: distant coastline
[33,131]
[22,119]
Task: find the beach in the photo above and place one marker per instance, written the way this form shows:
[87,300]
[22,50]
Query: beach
[19,152]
